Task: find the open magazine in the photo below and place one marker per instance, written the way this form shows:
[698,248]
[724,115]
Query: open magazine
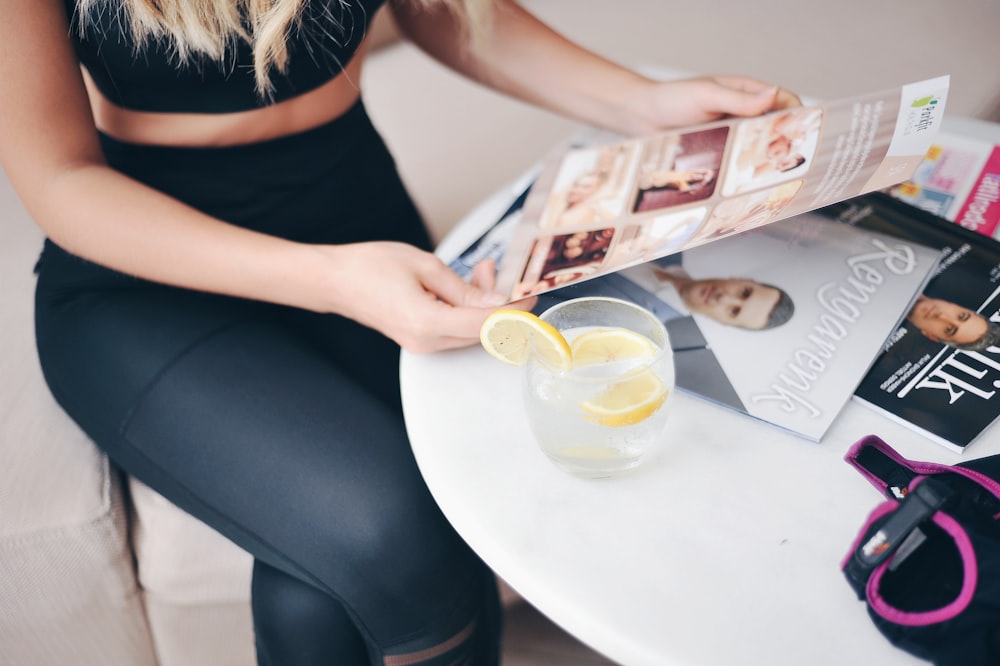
[609,204]
[779,323]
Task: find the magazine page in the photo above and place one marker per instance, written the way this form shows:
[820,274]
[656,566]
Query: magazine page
[608,205]
[959,180]
[939,372]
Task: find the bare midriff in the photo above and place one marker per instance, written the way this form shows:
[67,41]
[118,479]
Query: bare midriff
[291,116]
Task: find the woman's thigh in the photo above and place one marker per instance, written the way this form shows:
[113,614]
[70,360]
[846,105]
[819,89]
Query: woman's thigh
[218,405]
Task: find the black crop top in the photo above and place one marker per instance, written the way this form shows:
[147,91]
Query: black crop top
[151,79]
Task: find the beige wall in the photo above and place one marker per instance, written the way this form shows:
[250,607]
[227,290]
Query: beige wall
[821,48]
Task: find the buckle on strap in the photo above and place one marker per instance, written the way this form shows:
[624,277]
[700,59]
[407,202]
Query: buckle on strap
[919,505]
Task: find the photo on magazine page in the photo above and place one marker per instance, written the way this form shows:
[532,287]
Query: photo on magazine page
[779,323]
[939,372]
[605,206]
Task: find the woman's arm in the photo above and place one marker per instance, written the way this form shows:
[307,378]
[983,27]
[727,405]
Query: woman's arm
[49,148]
[50,151]
[523,57]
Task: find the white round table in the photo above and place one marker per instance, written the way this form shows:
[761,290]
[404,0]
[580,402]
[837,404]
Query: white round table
[723,551]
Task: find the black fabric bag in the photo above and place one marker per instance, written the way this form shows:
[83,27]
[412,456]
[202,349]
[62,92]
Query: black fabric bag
[927,561]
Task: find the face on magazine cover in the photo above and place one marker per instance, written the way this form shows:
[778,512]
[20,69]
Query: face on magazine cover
[733,301]
[947,322]
[740,302]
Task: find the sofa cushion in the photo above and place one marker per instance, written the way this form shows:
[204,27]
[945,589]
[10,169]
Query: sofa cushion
[196,585]
[180,559]
[68,593]
[35,435]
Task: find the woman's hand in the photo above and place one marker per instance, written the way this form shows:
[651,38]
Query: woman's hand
[685,102]
[410,295]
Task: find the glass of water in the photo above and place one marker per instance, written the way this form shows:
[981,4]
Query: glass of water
[606,413]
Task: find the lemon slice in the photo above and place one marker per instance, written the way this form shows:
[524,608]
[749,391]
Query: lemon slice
[606,345]
[628,401]
[507,334]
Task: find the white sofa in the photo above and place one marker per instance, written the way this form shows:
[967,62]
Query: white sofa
[97,570]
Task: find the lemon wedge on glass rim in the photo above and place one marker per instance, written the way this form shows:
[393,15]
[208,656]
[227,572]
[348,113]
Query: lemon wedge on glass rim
[507,335]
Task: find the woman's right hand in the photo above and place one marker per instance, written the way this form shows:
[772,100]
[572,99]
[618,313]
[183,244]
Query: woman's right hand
[410,295]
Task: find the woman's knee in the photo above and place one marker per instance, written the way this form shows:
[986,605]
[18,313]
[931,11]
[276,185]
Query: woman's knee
[405,541]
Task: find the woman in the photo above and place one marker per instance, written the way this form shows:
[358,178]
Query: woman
[232,263]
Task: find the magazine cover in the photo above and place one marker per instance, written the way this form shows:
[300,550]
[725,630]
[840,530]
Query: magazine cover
[939,372]
[610,204]
[958,180]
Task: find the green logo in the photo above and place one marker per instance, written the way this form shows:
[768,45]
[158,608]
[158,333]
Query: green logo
[930,100]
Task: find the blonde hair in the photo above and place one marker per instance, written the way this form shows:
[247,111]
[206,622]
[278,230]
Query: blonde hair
[210,27]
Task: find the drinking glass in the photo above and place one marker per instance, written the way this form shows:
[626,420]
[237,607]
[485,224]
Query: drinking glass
[601,417]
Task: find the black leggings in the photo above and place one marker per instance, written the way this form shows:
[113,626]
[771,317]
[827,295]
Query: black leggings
[280,428]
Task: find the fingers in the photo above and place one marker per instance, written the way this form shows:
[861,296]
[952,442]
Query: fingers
[484,280]
[463,323]
[447,286]
[745,96]
[734,102]
[484,275]
[525,304]
[458,309]
[785,99]
[743,83]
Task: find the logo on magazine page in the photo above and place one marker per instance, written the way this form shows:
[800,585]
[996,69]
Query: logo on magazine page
[922,115]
